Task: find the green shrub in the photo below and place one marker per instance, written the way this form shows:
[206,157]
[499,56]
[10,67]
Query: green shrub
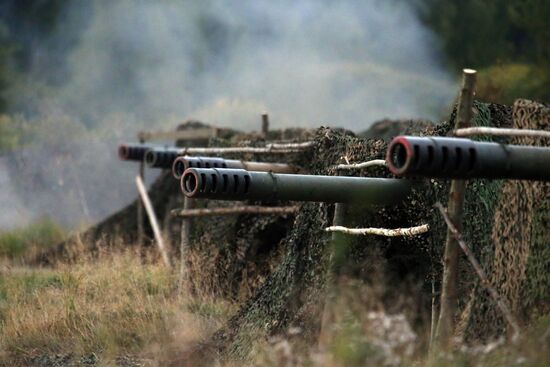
[38,235]
[508,82]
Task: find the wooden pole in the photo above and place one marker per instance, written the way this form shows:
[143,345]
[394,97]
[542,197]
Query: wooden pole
[265,124]
[448,302]
[153,220]
[140,231]
[185,234]
[187,212]
[327,317]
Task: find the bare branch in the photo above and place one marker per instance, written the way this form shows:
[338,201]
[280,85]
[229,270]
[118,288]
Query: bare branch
[495,131]
[185,213]
[374,162]
[501,303]
[411,231]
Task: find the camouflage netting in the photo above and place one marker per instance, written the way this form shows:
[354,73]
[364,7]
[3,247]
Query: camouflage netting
[518,256]
[293,294]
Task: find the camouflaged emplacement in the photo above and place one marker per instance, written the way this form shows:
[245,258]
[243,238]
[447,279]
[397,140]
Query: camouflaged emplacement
[518,256]
[294,293]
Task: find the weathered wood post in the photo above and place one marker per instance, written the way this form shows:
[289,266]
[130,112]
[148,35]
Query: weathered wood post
[185,233]
[448,301]
[140,231]
[265,124]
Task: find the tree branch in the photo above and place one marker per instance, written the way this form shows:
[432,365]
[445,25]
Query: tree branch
[495,131]
[374,162]
[411,231]
[208,212]
[501,303]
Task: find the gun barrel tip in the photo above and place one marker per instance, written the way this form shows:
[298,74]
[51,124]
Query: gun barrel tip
[189,183]
[123,151]
[179,167]
[399,155]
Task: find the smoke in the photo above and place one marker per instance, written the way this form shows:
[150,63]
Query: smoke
[146,65]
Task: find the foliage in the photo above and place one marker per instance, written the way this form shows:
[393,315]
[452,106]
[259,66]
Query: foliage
[37,236]
[481,33]
[508,41]
[507,82]
[9,134]
[6,51]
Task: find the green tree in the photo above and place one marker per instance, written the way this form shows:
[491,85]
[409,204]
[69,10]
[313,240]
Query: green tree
[508,41]
[6,52]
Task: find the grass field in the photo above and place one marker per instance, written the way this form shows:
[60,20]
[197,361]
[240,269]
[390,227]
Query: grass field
[122,308]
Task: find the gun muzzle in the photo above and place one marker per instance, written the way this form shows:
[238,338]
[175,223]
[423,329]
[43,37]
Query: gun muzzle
[132,152]
[239,184]
[441,157]
[161,158]
[183,163]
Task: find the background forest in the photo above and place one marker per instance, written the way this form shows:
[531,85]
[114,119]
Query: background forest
[76,77]
[507,41]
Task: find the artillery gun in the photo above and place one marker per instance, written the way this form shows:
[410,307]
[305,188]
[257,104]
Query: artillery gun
[441,157]
[239,184]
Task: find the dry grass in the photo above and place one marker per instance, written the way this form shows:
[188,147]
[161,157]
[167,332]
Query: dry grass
[115,305]
[122,308]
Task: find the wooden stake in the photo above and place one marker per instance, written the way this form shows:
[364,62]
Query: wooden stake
[433,318]
[265,124]
[209,212]
[185,233]
[152,219]
[327,317]
[140,231]
[501,303]
[448,302]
